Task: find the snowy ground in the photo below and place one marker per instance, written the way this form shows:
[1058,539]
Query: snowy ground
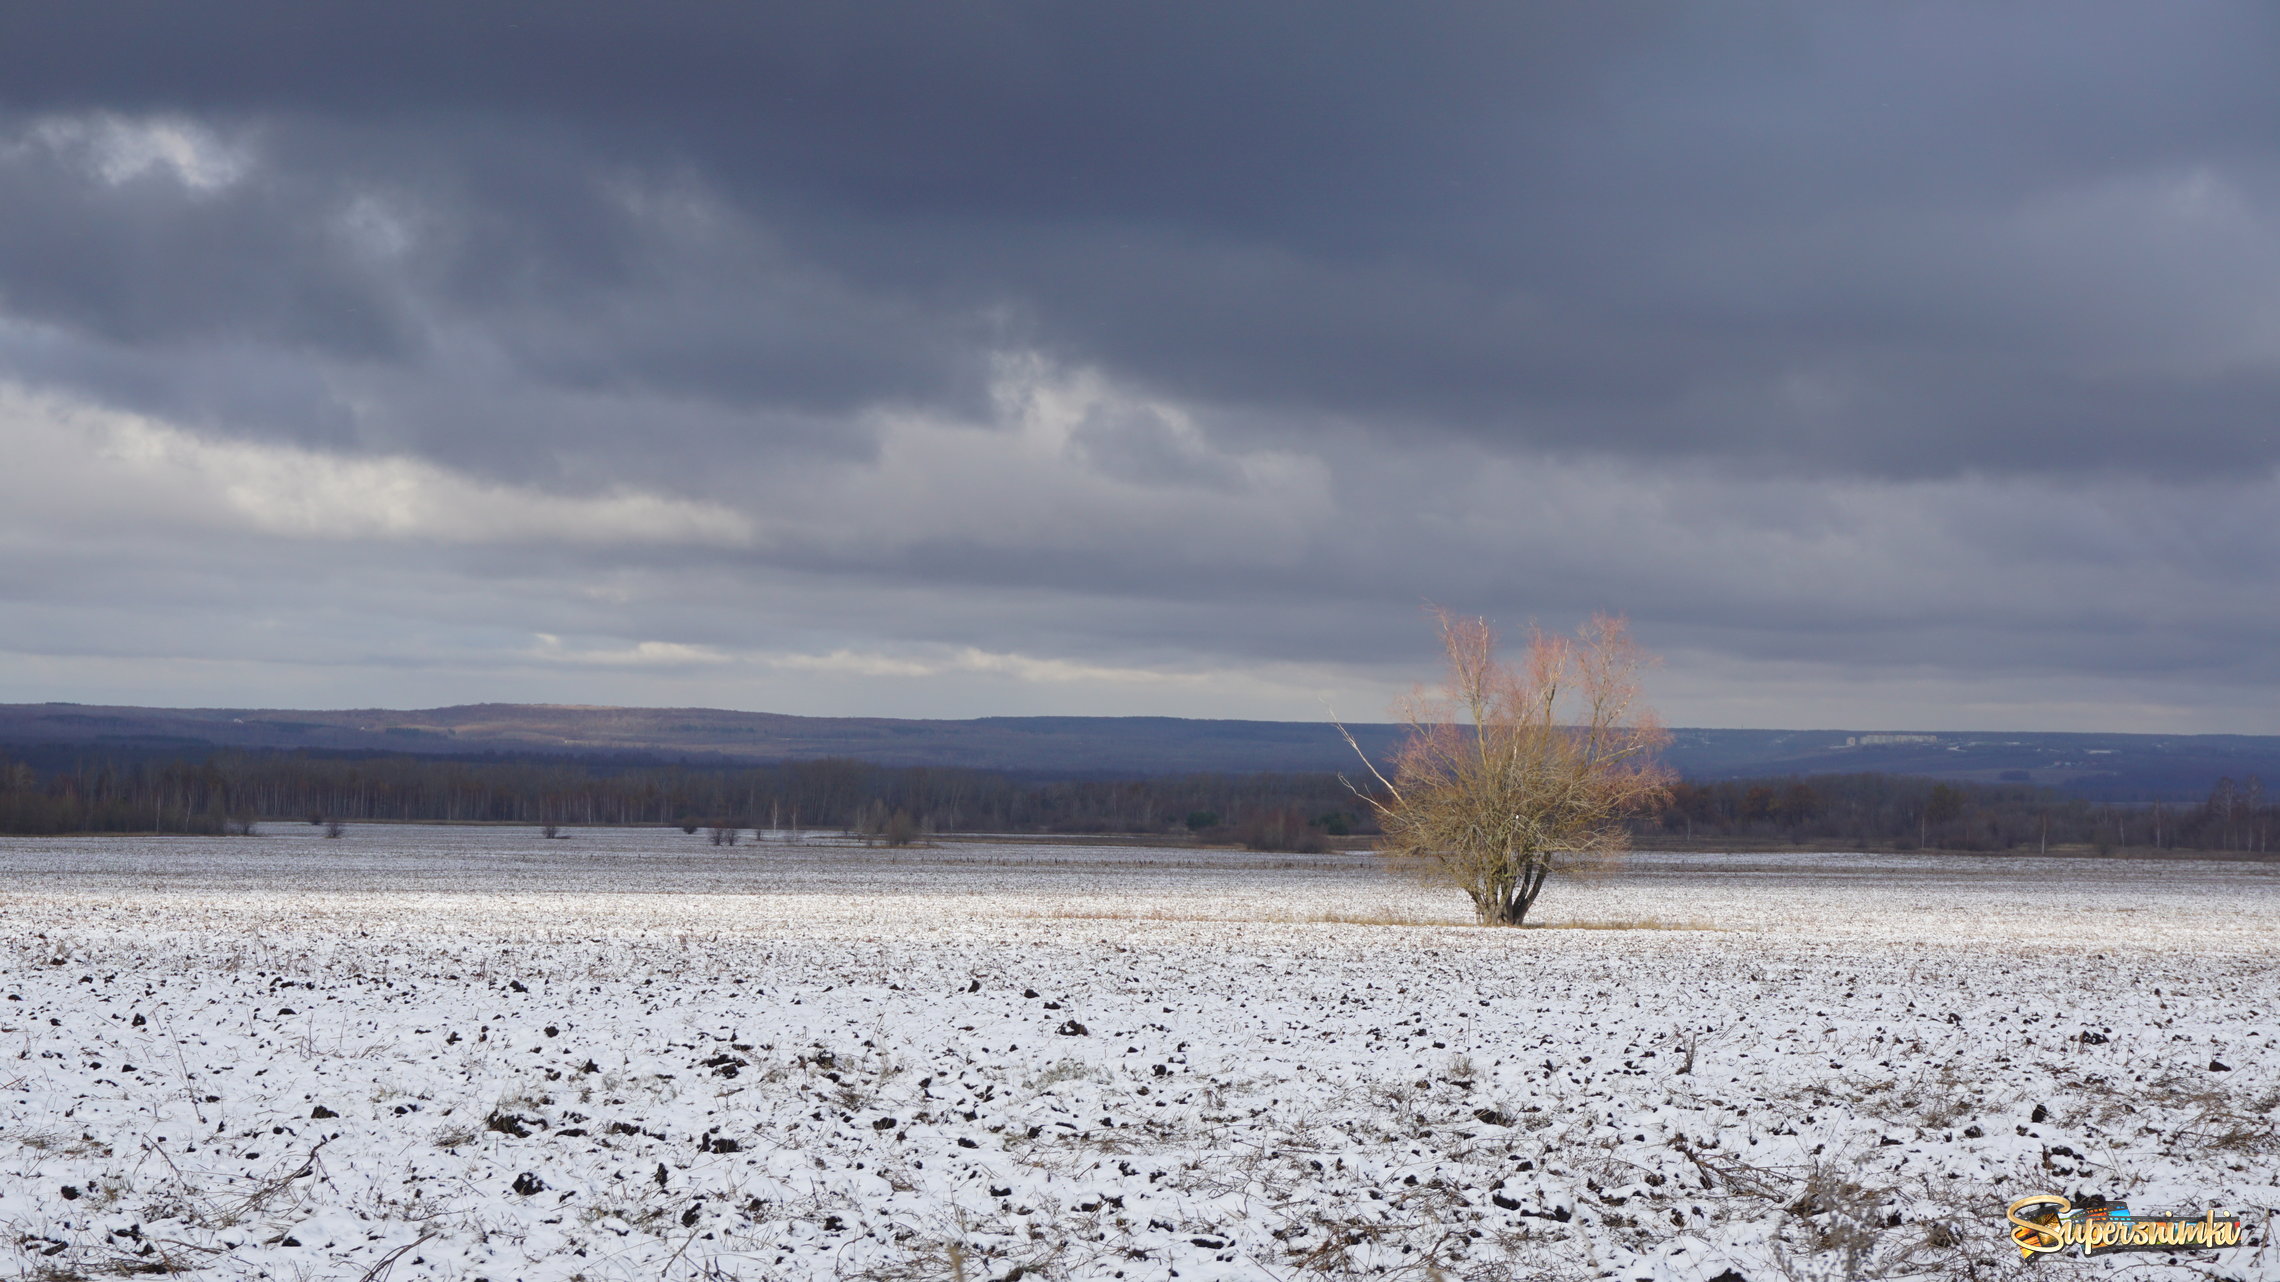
[466,1054]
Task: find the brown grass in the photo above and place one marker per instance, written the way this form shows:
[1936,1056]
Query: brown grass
[1621,923]
[1364,917]
[1377,918]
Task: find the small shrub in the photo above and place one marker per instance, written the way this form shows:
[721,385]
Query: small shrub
[900,830]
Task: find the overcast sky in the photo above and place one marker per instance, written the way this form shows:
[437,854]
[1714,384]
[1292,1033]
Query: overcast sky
[1890,366]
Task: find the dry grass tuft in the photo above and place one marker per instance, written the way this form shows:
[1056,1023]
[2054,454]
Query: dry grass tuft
[1380,917]
[1621,923]
[1363,917]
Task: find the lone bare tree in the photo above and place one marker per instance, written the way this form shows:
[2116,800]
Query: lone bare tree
[1511,773]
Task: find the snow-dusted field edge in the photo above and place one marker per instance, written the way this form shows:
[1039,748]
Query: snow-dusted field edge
[473,1054]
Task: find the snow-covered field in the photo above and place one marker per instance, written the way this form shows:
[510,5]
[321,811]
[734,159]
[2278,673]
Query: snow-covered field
[469,1054]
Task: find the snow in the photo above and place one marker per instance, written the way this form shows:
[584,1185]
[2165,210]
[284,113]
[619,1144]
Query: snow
[632,1055]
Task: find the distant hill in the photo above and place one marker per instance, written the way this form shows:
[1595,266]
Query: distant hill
[2106,766]
[1032,745]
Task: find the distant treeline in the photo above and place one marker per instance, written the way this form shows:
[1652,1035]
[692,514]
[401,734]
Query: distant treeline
[1904,812]
[212,793]
[217,792]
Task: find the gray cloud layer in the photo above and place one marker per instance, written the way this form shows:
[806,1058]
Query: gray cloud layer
[1885,364]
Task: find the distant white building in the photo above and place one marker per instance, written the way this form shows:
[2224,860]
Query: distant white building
[1866,740]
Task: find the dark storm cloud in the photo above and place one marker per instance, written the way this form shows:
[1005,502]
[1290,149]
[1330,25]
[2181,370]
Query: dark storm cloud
[1903,241]
[490,300]
[1234,114]
[1936,338]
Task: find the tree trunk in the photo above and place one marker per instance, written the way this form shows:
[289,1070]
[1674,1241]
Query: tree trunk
[1509,896]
